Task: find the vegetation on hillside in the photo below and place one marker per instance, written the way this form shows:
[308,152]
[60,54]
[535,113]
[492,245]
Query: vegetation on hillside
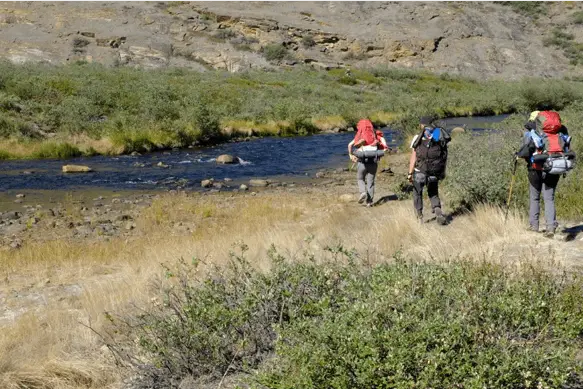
[103,110]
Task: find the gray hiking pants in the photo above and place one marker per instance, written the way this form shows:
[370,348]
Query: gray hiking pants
[420,180]
[366,171]
[547,183]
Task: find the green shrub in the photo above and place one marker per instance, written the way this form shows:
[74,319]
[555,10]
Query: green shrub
[274,52]
[336,323]
[528,8]
[57,150]
[578,17]
[308,41]
[479,169]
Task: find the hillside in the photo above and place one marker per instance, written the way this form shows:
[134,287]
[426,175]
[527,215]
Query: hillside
[471,39]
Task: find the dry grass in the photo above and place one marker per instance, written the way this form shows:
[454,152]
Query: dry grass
[329,123]
[48,347]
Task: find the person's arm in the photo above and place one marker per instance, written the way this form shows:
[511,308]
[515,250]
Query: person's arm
[412,161]
[350,155]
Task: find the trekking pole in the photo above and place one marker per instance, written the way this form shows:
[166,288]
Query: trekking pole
[510,191]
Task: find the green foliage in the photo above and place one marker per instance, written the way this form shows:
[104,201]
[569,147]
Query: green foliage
[274,52]
[479,168]
[572,49]
[57,150]
[308,41]
[578,17]
[143,109]
[338,323]
[528,8]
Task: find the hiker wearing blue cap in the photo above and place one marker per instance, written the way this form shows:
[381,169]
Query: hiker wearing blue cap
[427,166]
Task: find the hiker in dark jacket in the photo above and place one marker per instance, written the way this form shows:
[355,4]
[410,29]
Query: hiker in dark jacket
[539,181]
[427,166]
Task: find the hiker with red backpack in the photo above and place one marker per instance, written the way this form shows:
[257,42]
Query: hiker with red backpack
[370,147]
[546,150]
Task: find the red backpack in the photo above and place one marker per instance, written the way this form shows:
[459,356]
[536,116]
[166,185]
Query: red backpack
[550,124]
[365,131]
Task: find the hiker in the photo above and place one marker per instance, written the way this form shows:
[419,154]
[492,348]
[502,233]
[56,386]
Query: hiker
[545,148]
[369,149]
[427,166]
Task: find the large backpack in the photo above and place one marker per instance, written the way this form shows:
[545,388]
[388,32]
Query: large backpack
[552,144]
[432,153]
[366,132]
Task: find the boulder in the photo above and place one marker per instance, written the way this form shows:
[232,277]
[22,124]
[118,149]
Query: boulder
[162,165]
[243,187]
[76,169]
[227,159]
[347,198]
[206,183]
[259,183]
[20,195]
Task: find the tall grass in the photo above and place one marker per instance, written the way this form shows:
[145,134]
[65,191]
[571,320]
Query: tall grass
[121,104]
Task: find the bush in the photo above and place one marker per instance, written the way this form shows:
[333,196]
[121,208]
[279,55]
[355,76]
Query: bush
[479,169]
[57,150]
[578,17]
[338,323]
[308,41]
[274,52]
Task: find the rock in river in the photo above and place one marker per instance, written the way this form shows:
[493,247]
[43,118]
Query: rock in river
[76,169]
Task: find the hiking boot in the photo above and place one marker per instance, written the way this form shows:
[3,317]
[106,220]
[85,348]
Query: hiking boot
[549,234]
[420,218]
[532,229]
[362,198]
[369,205]
[441,220]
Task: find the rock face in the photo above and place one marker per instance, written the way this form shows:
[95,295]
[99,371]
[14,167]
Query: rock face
[76,169]
[477,39]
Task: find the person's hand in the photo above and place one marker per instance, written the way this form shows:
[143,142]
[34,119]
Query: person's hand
[410,177]
[353,158]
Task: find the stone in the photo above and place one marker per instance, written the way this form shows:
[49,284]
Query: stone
[457,130]
[76,169]
[347,198]
[124,217]
[227,159]
[320,174]
[12,215]
[227,180]
[130,226]
[20,196]
[243,187]
[217,185]
[135,154]
[88,34]
[16,244]
[258,183]
[162,165]
[206,183]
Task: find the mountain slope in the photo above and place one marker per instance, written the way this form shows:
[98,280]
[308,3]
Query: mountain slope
[476,39]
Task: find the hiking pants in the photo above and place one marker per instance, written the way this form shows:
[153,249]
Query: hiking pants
[366,171]
[419,182]
[547,183]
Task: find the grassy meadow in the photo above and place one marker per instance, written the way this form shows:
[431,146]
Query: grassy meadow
[84,109]
[324,247]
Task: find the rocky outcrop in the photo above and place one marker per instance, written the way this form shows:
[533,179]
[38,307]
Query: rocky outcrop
[474,39]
